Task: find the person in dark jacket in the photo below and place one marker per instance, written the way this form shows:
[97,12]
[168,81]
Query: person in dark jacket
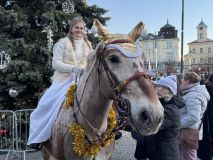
[205,148]
[164,144]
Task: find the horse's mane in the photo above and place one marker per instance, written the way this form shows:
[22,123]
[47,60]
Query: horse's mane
[90,59]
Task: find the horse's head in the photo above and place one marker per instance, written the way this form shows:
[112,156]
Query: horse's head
[121,67]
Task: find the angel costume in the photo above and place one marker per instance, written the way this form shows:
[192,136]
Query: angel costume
[66,60]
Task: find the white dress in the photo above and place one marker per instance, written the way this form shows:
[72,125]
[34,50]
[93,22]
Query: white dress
[44,116]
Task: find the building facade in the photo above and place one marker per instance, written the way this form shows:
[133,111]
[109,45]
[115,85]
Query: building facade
[162,50]
[200,55]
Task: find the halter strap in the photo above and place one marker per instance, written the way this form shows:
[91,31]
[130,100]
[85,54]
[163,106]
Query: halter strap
[124,83]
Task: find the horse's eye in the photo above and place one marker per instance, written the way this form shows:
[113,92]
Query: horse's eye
[114,59]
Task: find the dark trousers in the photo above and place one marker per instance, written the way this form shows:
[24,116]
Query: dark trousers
[204,151]
[205,147]
[140,151]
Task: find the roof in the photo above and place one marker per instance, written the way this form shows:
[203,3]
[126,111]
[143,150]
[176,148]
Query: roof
[201,41]
[150,36]
[167,26]
[202,24]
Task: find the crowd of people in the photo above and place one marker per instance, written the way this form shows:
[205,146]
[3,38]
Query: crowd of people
[188,105]
[188,108]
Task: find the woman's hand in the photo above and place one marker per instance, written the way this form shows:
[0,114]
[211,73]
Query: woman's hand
[77,71]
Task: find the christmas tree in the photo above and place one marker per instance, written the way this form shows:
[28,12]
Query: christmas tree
[28,30]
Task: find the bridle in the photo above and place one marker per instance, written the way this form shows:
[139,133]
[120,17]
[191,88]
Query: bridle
[116,85]
[117,88]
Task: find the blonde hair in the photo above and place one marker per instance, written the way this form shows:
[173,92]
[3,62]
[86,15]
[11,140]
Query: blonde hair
[192,77]
[74,21]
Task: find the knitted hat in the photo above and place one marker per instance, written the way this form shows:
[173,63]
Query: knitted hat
[170,82]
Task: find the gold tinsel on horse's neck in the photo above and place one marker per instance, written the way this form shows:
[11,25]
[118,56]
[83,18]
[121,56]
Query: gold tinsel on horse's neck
[80,145]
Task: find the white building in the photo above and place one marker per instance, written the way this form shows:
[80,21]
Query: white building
[162,50]
[200,56]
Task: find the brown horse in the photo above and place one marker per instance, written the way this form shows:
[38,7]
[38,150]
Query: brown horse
[114,73]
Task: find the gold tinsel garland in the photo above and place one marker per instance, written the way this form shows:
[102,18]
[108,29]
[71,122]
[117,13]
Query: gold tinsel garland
[70,96]
[80,147]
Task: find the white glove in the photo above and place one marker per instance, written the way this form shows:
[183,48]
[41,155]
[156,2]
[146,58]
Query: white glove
[76,71]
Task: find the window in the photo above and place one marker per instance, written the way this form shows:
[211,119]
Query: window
[193,51]
[201,61]
[147,51]
[193,60]
[170,56]
[153,45]
[169,45]
[209,60]
[201,35]
[201,50]
[209,50]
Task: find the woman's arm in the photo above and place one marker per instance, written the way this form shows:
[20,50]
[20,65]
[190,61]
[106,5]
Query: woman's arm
[171,116]
[193,110]
[57,61]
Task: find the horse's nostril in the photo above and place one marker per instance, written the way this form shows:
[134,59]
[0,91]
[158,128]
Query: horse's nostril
[144,115]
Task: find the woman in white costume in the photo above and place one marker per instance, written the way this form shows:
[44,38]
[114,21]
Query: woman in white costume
[69,57]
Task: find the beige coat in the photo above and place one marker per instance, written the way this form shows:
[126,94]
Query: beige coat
[64,58]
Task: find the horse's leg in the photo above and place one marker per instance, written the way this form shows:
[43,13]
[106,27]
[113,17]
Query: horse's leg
[46,151]
[45,154]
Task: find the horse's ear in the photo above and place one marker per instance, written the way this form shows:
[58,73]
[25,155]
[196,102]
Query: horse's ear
[143,58]
[101,30]
[99,49]
[136,32]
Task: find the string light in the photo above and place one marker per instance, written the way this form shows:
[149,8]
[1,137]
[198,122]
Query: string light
[4,59]
[49,32]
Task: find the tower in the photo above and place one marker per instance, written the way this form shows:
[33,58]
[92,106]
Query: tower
[202,31]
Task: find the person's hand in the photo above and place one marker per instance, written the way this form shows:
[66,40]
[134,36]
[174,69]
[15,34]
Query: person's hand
[77,71]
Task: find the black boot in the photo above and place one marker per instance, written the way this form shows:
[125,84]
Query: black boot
[36,146]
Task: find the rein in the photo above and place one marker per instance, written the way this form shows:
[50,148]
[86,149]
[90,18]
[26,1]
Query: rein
[117,88]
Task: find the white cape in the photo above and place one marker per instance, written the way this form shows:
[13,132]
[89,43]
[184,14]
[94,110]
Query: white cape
[44,116]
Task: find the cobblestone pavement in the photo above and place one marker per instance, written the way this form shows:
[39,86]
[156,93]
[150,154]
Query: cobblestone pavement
[124,150]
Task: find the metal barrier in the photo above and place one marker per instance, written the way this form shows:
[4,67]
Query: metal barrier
[7,130]
[22,119]
[14,131]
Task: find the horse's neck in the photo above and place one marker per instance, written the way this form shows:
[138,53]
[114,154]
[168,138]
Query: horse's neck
[93,105]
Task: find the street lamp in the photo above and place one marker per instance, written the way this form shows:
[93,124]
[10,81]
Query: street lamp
[182,30]
[149,67]
[156,56]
